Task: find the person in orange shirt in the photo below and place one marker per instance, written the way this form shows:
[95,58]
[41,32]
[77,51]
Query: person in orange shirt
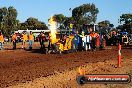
[14,40]
[93,41]
[24,39]
[98,41]
[31,40]
[1,40]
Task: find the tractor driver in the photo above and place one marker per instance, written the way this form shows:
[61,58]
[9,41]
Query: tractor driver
[63,41]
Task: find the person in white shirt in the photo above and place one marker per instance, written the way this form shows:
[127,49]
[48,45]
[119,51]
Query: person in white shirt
[86,42]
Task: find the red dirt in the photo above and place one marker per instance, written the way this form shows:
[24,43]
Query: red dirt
[19,66]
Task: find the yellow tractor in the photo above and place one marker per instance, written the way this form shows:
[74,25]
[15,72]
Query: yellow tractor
[67,46]
[62,43]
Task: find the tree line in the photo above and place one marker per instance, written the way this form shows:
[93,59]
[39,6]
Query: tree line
[10,23]
[87,14]
[83,14]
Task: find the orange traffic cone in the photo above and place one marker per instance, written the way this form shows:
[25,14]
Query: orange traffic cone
[119,55]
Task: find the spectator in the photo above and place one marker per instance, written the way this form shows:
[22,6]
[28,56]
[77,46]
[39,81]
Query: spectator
[31,40]
[24,39]
[14,40]
[1,40]
[93,41]
[42,39]
[78,41]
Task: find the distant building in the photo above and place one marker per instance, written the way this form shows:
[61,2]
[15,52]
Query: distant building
[36,32]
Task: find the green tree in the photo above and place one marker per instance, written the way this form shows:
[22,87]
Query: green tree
[3,16]
[105,26]
[126,21]
[119,27]
[33,24]
[105,23]
[12,19]
[85,14]
[8,19]
[23,26]
[126,18]
[60,18]
[62,21]
[68,20]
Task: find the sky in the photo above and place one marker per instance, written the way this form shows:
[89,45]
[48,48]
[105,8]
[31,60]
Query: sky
[42,9]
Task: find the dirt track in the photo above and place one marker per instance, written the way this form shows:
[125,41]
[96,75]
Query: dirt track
[20,66]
